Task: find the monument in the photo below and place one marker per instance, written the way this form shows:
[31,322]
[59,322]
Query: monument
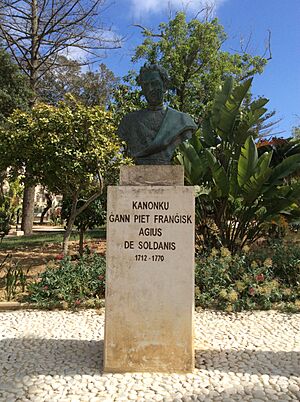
[152,134]
[150,243]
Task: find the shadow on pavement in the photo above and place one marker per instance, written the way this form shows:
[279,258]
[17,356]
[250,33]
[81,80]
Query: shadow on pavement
[70,357]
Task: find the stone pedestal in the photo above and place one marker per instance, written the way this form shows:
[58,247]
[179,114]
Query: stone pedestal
[150,274]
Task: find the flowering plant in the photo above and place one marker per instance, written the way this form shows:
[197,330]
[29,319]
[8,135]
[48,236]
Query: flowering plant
[249,280]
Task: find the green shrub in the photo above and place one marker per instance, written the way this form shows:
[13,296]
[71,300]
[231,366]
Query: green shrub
[4,224]
[4,217]
[73,283]
[285,261]
[247,281]
[13,278]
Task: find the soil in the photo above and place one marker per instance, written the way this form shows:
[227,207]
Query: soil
[34,260]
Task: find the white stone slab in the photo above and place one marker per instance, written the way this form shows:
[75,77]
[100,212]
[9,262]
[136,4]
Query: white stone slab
[152,175]
[150,279]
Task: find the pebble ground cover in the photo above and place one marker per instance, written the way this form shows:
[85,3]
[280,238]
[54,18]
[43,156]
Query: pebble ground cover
[57,356]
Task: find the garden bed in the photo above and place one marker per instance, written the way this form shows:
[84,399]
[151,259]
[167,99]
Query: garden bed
[34,253]
[266,277]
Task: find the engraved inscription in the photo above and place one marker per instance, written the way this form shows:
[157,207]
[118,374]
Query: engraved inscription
[150,219]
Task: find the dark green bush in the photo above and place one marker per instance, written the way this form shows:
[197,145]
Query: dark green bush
[285,260]
[72,283]
[248,281]
[4,217]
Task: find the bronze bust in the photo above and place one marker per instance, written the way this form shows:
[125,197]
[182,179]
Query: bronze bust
[152,134]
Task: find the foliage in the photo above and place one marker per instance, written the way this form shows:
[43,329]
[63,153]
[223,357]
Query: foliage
[245,282]
[239,192]
[191,53]
[37,32]
[4,219]
[15,278]
[63,147]
[71,282]
[91,88]
[47,29]
[71,149]
[9,203]
[94,215]
[285,260]
[296,132]
[14,86]
[281,148]
[11,197]
[126,97]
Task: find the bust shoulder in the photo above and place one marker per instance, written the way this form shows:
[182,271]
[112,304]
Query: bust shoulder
[181,119]
[127,123]
[133,116]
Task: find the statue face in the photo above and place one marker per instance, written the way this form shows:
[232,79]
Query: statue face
[153,88]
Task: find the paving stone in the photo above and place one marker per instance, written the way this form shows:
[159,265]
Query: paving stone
[57,356]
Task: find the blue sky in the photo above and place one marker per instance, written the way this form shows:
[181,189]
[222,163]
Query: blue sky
[280,81]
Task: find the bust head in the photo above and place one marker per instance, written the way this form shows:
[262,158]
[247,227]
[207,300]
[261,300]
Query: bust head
[152,134]
[154,81]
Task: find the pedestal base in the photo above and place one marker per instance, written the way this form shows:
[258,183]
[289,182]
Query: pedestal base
[150,279]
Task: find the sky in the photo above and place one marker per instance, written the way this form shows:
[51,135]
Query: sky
[242,20]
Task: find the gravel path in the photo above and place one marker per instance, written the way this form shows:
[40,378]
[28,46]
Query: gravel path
[57,356]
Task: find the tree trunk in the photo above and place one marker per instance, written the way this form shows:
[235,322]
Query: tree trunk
[47,207]
[27,209]
[29,191]
[81,238]
[70,224]
[75,212]
[67,235]
[2,177]
[33,71]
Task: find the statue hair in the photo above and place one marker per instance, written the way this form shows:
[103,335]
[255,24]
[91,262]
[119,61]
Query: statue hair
[154,67]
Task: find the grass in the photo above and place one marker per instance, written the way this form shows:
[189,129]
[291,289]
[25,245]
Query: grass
[39,239]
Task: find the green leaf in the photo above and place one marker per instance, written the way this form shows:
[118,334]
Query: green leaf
[196,143]
[239,92]
[247,161]
[218,173]
[208,134]
[284,169]
[253,187]
[194,163]
[234,185]
[258,103]
[226,108]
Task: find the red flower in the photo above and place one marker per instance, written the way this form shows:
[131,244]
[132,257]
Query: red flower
[77,302]
[260,278]
[251,291]
[46,287]
[101,277]
[59,257]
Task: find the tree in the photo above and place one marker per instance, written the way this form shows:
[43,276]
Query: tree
[126,97]
[281,148]
[49,200]
[239,192]
[90,88]
[71,149]
[296,131]
[191,53]
[14,86]
[36,32]
[4,217]
[9,205]
[94,215]
[14,93]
